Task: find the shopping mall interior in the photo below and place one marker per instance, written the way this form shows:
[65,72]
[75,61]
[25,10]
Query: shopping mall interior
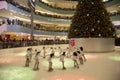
[35,34]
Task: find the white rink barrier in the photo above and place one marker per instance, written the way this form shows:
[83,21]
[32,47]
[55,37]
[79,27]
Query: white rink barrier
[94,45]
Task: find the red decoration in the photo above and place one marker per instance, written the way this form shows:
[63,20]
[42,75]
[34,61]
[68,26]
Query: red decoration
[72,42]
[89,35]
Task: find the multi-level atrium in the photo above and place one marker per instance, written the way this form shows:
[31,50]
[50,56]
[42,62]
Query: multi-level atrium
[49,28]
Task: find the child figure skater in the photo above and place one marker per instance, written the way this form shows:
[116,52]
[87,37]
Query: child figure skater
[60,50]
[27,56]
[35,51]
[36,66]
[50,62]
[68,52]
[62,60]
[31,54]
[81,51]
[44,52]
[80,57]
[52,50]
[75,55]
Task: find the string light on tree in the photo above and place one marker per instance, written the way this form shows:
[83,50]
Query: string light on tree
[87,28]
[87,14]
[103,13]
[98,28]
[99,35]
[114,34]
[92,29]
[98,21]
[110,29]
[75,30]
[92,2]
[81,2]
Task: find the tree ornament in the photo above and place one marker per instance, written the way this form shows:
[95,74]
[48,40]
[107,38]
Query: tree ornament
[98,28]
[87,28]
[99,35]
[92,2]
[103,13]
[89,35]
[92,29]
[114,34]
[88,14]
[110,29]
[75,30]
[98,21]
[81,2]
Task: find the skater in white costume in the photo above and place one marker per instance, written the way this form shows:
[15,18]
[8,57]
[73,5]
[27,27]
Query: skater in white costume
[36,66]
[62,56]
[28,57]
[50,60]
[75,57]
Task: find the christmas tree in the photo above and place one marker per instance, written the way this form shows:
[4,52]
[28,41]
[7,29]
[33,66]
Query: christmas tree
[91,19]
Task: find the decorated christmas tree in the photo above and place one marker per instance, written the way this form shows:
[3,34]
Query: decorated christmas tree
[91,19]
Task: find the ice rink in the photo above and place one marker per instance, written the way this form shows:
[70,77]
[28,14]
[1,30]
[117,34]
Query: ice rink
[99,66]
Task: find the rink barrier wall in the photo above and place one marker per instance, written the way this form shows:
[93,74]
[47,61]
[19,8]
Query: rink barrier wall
[94,45]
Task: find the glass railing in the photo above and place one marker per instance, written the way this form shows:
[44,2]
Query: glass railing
[18,29]
[27,25]
[53,16]
[62,17]
[60,11]
[115,13]
[57,7]
[103,0]
[49,15]
[19,6]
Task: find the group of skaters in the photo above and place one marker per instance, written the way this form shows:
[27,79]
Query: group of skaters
[77,56]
